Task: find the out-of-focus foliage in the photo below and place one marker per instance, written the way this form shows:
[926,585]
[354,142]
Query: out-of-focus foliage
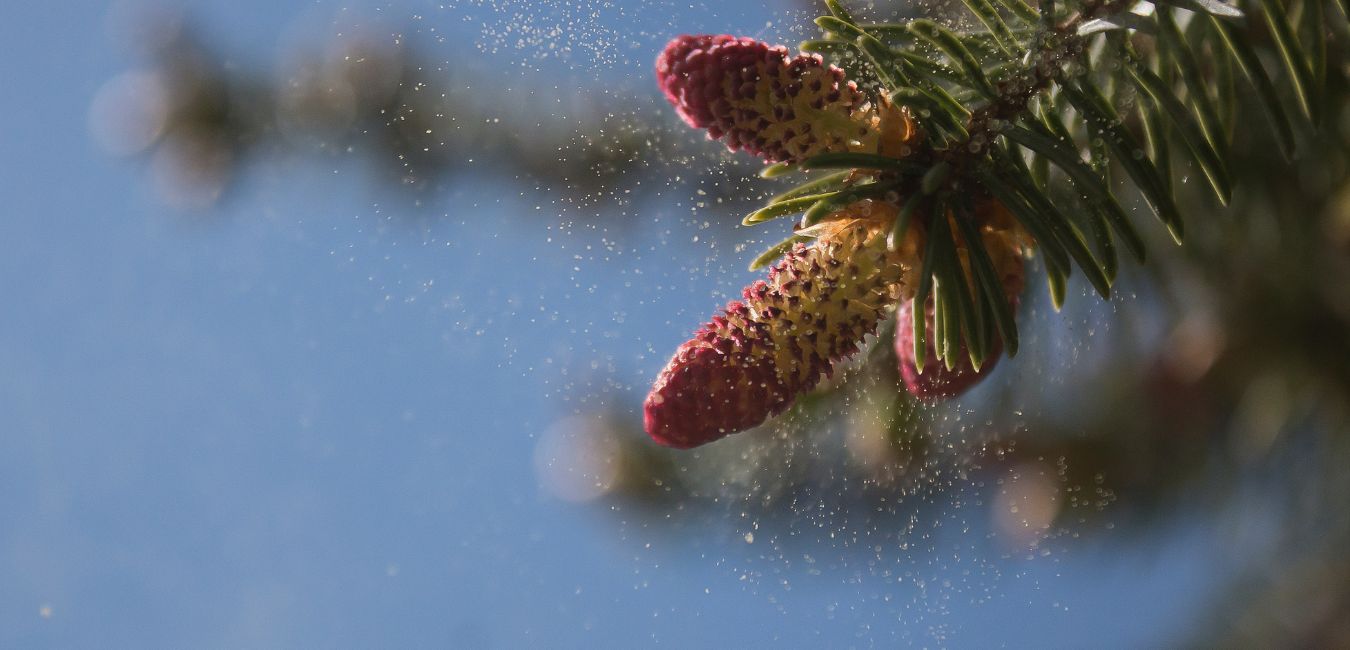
[367,93]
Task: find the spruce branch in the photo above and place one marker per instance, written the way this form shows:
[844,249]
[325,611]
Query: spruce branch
[926,133]
[970,91]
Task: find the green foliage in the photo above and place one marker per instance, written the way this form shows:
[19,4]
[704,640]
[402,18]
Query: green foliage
[1049,99]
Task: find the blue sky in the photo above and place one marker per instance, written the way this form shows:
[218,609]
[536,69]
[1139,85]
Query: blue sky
[300,420]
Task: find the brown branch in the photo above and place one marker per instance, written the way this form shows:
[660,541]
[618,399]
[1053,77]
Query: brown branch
[1053,44]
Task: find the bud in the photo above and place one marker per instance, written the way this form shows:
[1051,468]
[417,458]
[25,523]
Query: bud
[1004,241]
[936,382]
[756,98]
[751,361]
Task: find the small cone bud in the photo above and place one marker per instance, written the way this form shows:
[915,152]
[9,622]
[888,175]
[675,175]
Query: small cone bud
[1003,241]
[758,99]
[752,360]
[936,382]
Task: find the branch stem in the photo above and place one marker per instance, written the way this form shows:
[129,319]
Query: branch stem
[1052,45]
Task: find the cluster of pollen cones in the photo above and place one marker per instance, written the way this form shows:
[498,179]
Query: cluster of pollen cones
[820,301]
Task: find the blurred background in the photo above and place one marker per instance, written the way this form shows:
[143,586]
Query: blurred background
[329,325]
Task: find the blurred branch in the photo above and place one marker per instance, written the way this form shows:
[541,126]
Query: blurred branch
[366,93]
